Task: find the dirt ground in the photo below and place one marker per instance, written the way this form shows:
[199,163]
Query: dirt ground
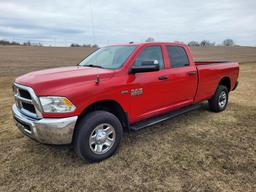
[198,151]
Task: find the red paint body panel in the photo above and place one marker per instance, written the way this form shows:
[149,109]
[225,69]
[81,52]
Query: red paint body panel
[79,85]
[210,75]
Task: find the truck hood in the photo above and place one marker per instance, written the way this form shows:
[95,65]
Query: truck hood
[62,77]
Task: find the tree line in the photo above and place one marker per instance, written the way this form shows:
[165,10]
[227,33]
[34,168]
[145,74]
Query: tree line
[84,45]
[28,43]
[203,43]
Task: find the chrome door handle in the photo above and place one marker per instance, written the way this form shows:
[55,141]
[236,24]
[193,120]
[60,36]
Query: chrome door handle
[192,73]
[163,78]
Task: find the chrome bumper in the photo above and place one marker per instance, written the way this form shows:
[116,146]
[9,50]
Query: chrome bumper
[45,130]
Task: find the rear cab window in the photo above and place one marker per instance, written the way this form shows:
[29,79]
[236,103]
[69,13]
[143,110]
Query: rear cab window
[177,56]
[150,53]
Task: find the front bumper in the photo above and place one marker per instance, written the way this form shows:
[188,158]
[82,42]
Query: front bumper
[45,130]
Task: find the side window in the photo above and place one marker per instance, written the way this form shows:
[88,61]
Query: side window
[149,54]
[177,56]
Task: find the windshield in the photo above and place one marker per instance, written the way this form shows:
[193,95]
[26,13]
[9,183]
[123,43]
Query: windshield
[111,57]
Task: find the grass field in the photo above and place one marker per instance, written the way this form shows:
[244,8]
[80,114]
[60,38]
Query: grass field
[198,151]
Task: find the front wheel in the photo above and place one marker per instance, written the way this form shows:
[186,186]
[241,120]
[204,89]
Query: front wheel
[98,136]
[219,100]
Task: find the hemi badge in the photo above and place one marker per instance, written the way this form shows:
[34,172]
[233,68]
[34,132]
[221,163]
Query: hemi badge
[124,92]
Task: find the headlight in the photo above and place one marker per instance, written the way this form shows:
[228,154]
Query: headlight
[56,104]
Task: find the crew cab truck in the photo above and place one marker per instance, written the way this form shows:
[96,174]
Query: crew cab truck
[117,88]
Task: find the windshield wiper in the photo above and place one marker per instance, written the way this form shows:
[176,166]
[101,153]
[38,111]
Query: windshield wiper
[92,65]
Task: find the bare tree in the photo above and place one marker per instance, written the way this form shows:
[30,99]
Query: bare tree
[150,39]
[75,45]
[193,44]
[28,43]
[228,42]
[205,43]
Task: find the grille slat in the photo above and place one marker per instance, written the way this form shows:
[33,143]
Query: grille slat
[24,100]
[25,94]
[29,107]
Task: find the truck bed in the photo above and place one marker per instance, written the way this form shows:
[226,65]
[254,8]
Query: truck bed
[210,73]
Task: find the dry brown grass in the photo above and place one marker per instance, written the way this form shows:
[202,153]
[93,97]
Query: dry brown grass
[198,151]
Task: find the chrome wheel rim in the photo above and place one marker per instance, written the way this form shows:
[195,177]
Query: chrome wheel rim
[102,138]
[222,99]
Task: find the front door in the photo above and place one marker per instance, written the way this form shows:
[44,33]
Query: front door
[149,90]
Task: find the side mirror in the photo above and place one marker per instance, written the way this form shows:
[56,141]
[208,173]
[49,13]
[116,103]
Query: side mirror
[146,66]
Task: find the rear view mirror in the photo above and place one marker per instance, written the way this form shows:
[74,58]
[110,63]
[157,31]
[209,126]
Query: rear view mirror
[146,66]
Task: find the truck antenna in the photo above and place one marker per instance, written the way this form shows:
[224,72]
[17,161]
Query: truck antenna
[92,22]
[97,79]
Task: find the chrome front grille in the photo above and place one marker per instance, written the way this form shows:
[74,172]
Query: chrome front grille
[27,101]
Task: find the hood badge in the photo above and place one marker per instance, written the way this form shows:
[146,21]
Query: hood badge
[136,92]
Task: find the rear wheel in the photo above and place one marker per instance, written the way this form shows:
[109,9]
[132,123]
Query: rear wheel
[98,136]
[219,100]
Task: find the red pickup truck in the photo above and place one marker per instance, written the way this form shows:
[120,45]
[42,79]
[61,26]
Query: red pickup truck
[117,88]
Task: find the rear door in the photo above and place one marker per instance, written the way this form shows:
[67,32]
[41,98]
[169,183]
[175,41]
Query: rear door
[182,77]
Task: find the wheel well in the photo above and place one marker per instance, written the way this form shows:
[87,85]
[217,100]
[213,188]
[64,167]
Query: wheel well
[226,82]
[110,106]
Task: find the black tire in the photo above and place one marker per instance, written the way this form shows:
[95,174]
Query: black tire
[86,127]
[215,102]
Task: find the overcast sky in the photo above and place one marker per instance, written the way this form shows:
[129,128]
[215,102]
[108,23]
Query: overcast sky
[60,22]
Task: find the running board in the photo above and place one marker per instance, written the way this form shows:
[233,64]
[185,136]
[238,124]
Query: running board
[158,119]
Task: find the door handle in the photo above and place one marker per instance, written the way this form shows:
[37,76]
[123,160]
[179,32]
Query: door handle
[163,78]
[191,73]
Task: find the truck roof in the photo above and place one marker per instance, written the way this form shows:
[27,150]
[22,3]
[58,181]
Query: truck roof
[151,43]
